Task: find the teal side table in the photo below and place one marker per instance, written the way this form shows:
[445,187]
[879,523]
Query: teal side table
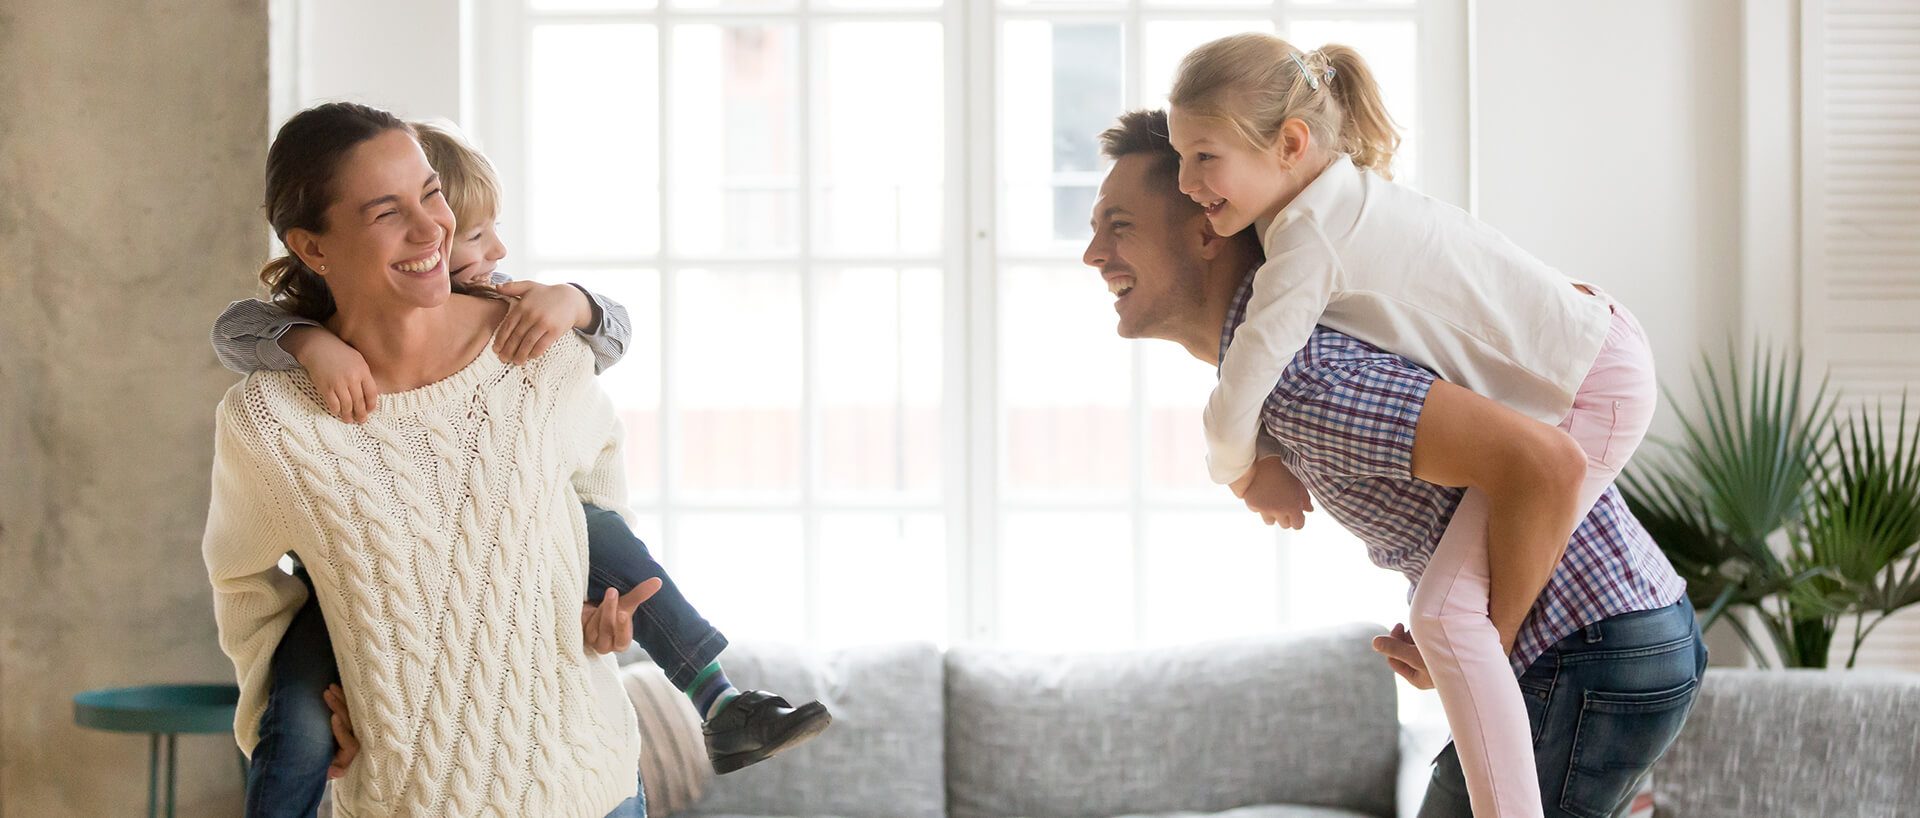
[160,710]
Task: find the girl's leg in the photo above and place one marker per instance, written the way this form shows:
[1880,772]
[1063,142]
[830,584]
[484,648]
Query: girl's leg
[1450,622]
[1614,406]
[288,771]
[667,626]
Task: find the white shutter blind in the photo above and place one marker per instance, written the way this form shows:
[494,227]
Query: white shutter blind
[1860,238]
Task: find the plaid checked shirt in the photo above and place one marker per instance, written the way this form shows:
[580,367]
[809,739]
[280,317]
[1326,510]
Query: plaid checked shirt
[1344,414]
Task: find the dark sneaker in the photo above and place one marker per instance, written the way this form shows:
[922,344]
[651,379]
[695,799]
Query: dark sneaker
[758,725]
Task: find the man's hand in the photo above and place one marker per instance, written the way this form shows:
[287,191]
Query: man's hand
[342,732]
[608,626]
[1276,495]
[1404,657]
[541,314]
[337,370]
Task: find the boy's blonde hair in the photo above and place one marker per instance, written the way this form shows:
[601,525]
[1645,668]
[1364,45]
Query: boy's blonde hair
[1256,82]
[466,177]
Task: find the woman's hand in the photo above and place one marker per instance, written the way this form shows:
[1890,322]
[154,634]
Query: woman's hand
[1276,495]
[541,314]
[1404,657]
[608,626]
[337,370]
[342,732]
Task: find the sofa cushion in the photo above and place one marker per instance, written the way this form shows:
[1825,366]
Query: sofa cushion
[1795,742]
[883,756]
[1305,719]
[1265,811]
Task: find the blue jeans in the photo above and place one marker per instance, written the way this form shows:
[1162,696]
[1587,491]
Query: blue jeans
[288,771]
[1605,702]
[635,807]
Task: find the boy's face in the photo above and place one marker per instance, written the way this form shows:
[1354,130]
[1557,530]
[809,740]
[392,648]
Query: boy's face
[477,252]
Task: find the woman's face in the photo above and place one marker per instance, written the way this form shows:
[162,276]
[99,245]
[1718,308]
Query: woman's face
[390,232]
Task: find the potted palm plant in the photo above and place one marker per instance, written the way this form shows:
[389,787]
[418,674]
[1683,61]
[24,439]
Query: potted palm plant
[1774,502]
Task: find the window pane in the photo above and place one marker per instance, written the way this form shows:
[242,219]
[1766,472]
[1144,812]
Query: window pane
[1333,582]
[767,602]
[590,5]
[882,105]
[1230,554]
[1060,87]
[732,5]
[884,5]
[1167,43]
[634,383]
[735,139]
[1177,386]
[1391,49]
[883,577]
[1066,580]
[593,143]
[1065,386]
[736,391]
[879,384]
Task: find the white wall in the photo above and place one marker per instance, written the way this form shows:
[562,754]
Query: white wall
[1607,143]
[404,57]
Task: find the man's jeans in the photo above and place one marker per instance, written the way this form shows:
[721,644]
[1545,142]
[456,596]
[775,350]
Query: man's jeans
[288,772]
[1605,703]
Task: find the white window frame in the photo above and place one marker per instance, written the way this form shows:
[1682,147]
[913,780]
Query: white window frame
[971,260]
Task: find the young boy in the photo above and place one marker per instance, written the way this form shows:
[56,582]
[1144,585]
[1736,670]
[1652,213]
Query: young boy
[297,752]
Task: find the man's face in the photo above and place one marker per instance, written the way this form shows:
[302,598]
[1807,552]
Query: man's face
[1146,245]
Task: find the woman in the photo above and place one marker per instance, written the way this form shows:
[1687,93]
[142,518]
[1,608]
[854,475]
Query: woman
[443,536]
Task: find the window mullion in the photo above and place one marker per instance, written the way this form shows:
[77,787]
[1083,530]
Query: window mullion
[669,442]
[981,404]
[804,36]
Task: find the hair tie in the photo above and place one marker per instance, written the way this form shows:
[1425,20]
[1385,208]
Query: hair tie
[1313,82]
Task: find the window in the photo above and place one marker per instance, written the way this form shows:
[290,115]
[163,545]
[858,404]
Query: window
[873,394]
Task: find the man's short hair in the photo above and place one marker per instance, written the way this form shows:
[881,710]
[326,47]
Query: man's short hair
[1145,132]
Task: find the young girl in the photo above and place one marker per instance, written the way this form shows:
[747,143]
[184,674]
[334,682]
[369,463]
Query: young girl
[297,754]
[1297,144]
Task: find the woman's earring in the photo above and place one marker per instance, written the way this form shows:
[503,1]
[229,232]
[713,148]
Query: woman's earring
[323,268]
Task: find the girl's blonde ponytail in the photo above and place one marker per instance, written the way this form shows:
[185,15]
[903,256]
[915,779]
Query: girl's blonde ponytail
[1366,131]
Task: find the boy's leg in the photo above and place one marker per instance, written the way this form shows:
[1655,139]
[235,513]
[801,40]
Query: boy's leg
[288,771]
[741,728]
[680,641]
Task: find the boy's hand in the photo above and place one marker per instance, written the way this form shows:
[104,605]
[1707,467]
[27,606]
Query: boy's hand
[1404,657]
[343,735]
[541,315]
[1276,495]
[337,370]
[608,626]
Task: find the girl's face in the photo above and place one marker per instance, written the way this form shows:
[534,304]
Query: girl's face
[477,252]
[1238,183]
[389,230]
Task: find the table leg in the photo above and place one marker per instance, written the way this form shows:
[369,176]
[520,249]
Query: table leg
[153,775]
[173,769]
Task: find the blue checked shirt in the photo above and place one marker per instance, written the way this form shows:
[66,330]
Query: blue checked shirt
[1344,414]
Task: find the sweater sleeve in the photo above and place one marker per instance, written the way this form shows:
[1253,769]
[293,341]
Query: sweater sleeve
[611,333]
[603,480]
[246,336]
[1290,292]
[253,600]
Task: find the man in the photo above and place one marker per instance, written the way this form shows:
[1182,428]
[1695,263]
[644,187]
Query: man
[1608,655]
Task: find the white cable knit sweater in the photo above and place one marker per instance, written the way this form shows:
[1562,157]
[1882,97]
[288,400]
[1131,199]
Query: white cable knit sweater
[446,542]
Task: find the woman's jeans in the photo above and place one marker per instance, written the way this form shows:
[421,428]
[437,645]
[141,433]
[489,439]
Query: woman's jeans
[288,771]
[1604,703]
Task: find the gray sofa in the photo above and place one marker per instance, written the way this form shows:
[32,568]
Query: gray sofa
[1296,727]
[1293,726]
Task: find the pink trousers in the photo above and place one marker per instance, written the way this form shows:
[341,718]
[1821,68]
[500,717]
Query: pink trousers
[1477,686]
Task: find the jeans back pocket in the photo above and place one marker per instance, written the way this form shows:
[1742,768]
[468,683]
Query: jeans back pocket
[1618,738]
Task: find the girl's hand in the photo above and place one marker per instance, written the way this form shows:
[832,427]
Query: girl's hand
[541,314]
[342,732]
[1276,495]
[608,626]
[337,370]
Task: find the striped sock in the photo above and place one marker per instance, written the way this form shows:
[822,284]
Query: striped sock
[710,691]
